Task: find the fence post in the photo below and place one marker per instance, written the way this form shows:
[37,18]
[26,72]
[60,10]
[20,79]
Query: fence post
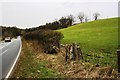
[79,53]
[118,55]
[75,51]
[66,52]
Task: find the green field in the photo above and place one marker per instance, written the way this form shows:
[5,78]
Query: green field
[97,38]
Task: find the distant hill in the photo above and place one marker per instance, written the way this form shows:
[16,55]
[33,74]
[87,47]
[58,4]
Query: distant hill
[100,36]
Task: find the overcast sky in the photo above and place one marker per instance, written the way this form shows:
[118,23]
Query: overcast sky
[32,13]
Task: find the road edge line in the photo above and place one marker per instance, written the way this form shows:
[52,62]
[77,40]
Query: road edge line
[10,71]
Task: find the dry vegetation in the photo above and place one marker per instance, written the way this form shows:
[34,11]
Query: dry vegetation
[72,69]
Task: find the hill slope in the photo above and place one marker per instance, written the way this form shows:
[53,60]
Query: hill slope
[94,37]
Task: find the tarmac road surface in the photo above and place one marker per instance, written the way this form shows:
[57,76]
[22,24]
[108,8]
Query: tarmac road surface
[9,53]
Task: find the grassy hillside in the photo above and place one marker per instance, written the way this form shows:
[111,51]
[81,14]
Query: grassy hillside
[97,38]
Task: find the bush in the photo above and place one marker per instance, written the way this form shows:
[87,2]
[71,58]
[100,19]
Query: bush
[48,38]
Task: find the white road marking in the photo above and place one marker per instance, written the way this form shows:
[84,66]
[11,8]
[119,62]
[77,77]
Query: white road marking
[7,43]
[14,61]
[4,52]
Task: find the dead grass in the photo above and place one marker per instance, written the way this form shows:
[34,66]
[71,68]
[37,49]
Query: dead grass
[55,63]
[71,69]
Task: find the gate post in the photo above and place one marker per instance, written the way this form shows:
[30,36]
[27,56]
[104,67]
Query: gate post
[118,56]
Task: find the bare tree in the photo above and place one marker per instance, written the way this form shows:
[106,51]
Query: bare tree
[86,19]
[96,15]
[71,19]
[81,16]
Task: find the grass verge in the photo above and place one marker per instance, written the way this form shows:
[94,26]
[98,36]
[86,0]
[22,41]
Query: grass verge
[29,67]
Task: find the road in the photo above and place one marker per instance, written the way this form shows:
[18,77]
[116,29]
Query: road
[9,54]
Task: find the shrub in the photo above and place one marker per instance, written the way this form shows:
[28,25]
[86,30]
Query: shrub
[48,38]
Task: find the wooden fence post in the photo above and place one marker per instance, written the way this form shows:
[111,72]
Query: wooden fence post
[66,52]
[79,53]
[118,55]
[75,51]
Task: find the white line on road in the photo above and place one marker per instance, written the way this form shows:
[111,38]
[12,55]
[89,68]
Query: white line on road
[14,62]
[4,52]
[6,45]
[12,40]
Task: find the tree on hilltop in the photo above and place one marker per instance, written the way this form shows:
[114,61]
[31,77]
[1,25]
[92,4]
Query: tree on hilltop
[96,15]
[81,16]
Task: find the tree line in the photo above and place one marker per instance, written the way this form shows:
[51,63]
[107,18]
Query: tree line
[10,32]
[64,22]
